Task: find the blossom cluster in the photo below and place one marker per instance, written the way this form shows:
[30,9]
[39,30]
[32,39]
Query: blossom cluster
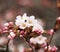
[28,27]
[23,25]
[28,21]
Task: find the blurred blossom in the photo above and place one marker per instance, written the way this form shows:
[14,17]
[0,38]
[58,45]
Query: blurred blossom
[51,31]
[10,14]
[38,40]
[48,3]
[6,24]
[28,3]
[58,20]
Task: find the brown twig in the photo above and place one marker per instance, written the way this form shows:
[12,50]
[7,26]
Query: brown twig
[55,29]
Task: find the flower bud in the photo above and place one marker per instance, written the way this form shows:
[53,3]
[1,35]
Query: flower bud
[50,32]
[22,33]
[11,35]
[6,24]
[58,20]
[10,24]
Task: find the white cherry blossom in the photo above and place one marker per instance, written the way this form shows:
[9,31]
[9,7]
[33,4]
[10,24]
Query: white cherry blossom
[39,40]
[18,20]
[32,21]
[21,21]
[38,27]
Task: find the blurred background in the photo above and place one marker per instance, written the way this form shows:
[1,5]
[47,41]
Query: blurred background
[43,9]
[46,10]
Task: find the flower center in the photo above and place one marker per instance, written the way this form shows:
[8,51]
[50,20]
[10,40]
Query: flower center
[30,21]
[25,20]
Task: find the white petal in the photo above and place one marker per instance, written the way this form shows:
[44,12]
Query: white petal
[24,15]
[18,17]
[32,17]
[32,40]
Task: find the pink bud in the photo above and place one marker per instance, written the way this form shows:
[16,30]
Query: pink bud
[6,24]
[5,28]
[5,31]
[22,32]
[58,20]
[54,49]
[50,32]
[10,23]
[12,35]
[51,49]
[38,32]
